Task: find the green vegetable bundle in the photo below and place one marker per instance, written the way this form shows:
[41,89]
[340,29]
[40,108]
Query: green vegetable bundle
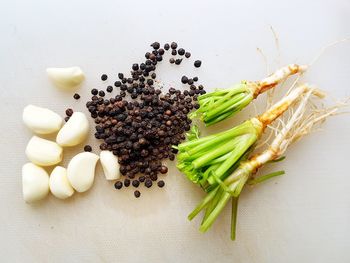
[224,103]
[209,159]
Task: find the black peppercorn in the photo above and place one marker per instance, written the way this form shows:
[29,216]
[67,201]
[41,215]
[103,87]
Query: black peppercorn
[181,51]
[178,61]
[135,183]
[161,183]
[76,96]
[155,45]
[104,77]
[163,169]
[174,52]
[195,79]
[118,185]
[87,148]
[101,93]
[148,183]
[126,182]
[137,194]
[109,89]
[197,63]
[172,60]
[173,45]
[69,112]
[187,54]
[166,46]
[135,66]
[184,79]
[94,91]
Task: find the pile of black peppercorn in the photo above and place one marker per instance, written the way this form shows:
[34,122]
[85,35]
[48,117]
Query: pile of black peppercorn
[141,130]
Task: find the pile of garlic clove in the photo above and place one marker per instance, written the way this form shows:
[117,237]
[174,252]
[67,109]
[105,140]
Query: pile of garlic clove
[41,152]
[80,173]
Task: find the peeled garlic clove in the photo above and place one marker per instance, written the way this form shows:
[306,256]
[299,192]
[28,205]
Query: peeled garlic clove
[66,78]
[110,165]
[81,171]
[74,131]
[35,183]
[43,152]
[41,120]
[59,184]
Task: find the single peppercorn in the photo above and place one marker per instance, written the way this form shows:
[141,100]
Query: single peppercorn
[148,183]
[184,79]
[94,91]
[187,54]
[120,76]
[87,148]
[174,52]
[197,63]
[135,183]
[173,45]
[118,185]
[104,77]
[161,183]
[178,61]
[69,112]
[109,89]
[190,81]
[181,51]
[101,93]
[135,66]
[195,79]
[126,182]
[76,96]
[166,46]
[137,194]
[66,119]
[155,45]
[163,169]
[172,60]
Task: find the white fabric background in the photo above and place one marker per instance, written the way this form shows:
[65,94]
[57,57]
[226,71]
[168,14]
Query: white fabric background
[301,217]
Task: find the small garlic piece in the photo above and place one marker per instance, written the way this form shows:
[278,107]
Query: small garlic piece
[74,131]
[35,183]
[41,120]
[43,152]
[110,165]
[66,78]
[59,184]
[81,171]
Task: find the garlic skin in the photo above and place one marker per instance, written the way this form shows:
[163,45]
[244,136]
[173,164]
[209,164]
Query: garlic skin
[35,183]
[66,78]
[74,131]
[81,171]
[59,184]
[41,120]
[110,165]
[43,152]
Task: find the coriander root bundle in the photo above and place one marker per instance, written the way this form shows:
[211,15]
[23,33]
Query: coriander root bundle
[216,156]
[224,103]
[301,121]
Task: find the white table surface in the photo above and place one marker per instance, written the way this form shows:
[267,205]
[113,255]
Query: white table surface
[303,216]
